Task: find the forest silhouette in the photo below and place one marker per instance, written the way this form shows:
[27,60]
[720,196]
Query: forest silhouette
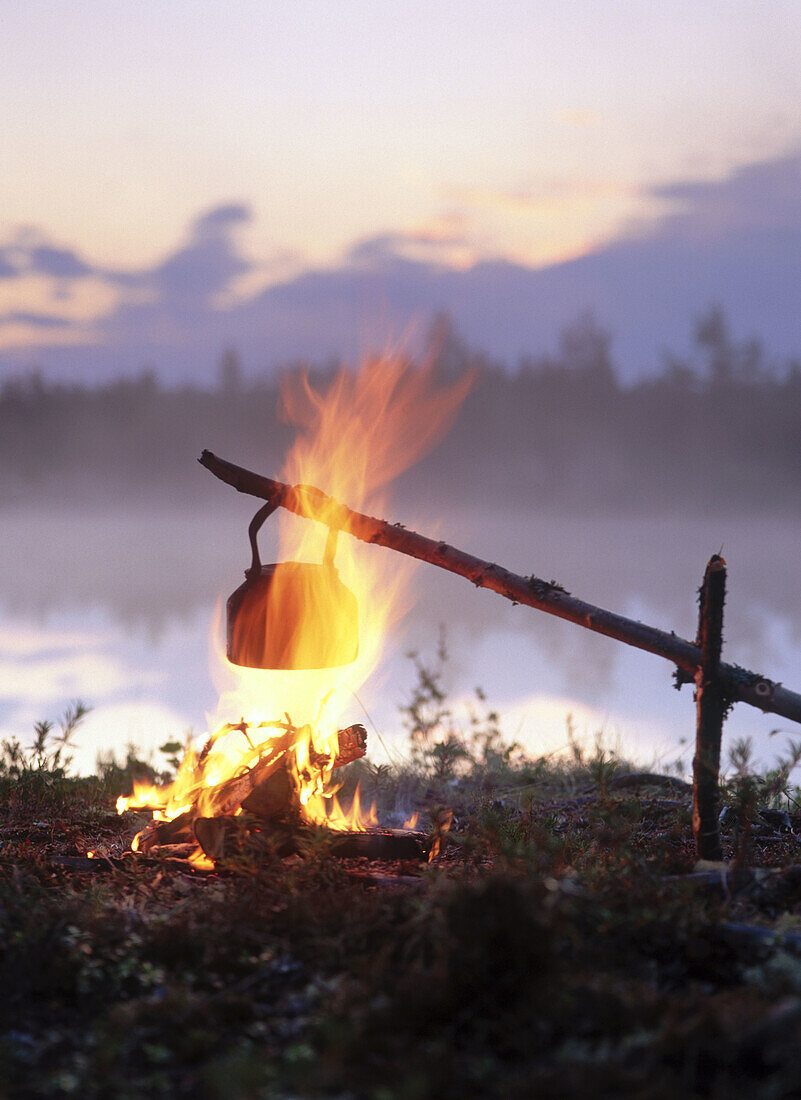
[718,430]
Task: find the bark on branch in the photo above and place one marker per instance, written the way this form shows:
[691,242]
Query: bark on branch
[710,700]
[312,503]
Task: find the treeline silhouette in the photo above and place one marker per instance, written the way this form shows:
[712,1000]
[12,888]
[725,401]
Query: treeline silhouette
[719,430]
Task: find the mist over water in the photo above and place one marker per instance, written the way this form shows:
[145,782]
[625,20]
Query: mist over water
[116,546]
[117,606]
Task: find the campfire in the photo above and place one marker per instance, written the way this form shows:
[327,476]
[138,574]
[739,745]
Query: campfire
[304,635]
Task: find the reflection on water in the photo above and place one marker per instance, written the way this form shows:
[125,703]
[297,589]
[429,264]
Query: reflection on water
[116,607]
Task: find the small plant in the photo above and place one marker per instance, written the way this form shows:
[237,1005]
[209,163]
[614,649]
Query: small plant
[602,767]
[35,778]
[444,756]
[445,747]
[48,754]
[747,791]
[426,714]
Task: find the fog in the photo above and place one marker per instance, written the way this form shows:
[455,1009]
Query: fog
[116,546]
[117,607]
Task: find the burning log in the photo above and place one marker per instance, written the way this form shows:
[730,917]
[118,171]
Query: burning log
[166,833]
[351,745]
[265,789]
[211,833]
[272,797]
[381,844]
[215,834]
[311,503]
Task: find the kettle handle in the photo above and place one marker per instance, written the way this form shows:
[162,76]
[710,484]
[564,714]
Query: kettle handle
[253,530]
[264,513]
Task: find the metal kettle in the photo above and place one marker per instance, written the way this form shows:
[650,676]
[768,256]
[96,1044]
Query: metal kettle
[292,615]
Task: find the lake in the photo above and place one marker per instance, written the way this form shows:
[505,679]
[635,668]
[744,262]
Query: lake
[116,606]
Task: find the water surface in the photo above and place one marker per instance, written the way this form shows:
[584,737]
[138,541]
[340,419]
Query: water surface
[116,606]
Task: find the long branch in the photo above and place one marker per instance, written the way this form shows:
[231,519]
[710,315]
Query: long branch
[312,503]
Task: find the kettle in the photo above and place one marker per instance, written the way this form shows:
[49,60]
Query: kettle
[291,615]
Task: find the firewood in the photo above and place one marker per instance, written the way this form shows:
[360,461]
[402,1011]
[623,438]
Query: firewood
[272,797]
[351,745]
[265,790]
[647,779]
[231,794]
[213,835]
[380,844]
[172,851]
[159,833]
[211,832]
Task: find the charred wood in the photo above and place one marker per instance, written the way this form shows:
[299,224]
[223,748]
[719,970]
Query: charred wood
[217,835]
[647,779]
[272,797]
[376,844]
[351,745]
[211,834]
[159,833]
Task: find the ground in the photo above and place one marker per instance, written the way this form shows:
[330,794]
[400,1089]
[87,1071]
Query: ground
[560,946]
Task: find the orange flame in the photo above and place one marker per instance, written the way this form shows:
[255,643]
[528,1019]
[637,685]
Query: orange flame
[354,437]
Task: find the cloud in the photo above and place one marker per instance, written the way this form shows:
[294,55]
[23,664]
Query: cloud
[223,218]
[735,241]
[61,263]
[374,252]
[62,676]
[35,320]
[760,196]
[209,262]
[18,639]
[20,259]
[440,243]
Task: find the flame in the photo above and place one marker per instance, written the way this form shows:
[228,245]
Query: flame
[200,861]
[353,438]
[442,823]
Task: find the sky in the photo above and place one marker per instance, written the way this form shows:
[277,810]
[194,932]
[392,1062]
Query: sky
[179,176]
[463,132]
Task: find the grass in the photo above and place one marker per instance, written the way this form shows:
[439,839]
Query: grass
[556,948]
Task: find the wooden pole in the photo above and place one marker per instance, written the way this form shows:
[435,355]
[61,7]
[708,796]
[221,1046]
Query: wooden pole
[305,500]
[711,703]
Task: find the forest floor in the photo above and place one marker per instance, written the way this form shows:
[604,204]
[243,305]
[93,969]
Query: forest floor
[563,944]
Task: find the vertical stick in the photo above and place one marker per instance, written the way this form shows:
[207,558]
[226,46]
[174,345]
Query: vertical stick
[711,705]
